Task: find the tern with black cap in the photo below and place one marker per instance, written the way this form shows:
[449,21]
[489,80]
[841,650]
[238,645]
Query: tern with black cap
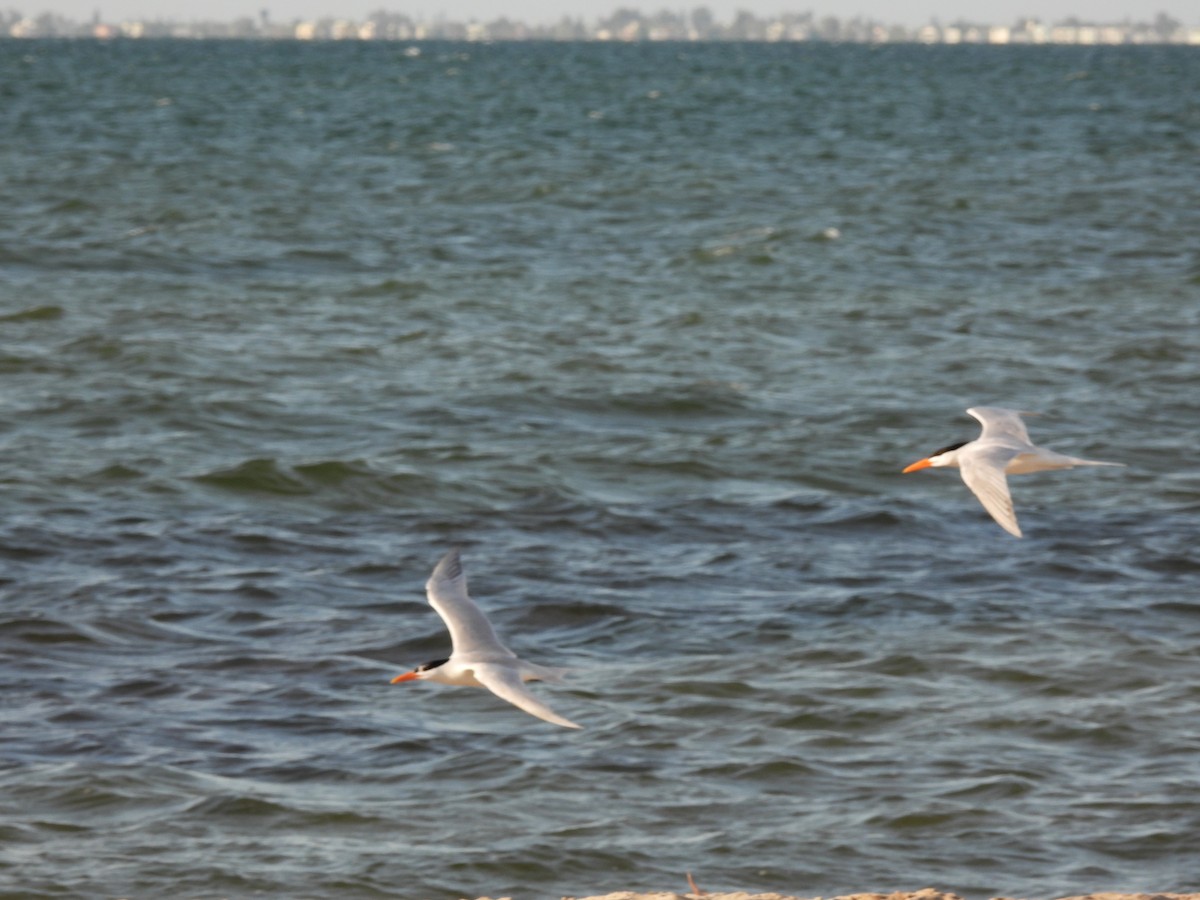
[478,658]
[1002,449]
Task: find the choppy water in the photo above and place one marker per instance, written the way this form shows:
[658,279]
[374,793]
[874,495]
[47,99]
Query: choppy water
[651,331]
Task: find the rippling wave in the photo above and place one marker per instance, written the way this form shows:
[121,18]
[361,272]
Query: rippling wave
[650,332]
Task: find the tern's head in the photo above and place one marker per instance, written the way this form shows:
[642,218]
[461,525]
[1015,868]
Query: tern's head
[426,670]
[946,456]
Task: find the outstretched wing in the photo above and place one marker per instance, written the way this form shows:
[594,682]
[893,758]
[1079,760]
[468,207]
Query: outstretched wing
[505,682]
[1000,423]
[983,472]
[470,631]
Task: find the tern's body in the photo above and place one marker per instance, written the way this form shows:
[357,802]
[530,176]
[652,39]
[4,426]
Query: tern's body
[1002,449]
[478,658]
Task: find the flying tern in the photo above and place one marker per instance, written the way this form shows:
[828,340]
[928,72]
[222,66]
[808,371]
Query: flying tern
[1002,449]
[478,658]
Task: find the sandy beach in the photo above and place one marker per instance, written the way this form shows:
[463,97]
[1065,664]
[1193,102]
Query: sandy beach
[924,894]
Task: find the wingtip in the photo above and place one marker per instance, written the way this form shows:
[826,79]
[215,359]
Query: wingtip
[449,566]
[1008,524]
[548,715]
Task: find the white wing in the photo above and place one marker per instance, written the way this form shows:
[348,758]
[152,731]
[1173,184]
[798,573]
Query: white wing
[505,682]
[1000,423]
[470,631]
[983,471]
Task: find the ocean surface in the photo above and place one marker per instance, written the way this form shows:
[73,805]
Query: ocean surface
[649,331]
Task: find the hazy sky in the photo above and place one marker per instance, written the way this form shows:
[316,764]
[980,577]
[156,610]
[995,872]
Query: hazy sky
[904,12]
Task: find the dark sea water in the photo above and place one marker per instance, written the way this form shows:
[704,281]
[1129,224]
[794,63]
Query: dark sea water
[650,331]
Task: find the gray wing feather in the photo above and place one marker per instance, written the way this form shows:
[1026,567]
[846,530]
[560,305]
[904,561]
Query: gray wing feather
[505,682]
[1000,423]
[983,472]
[470,631]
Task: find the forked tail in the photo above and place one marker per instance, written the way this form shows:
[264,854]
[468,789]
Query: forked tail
[534,672]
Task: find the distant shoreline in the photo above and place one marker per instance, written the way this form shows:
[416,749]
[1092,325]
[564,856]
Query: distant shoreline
[624,26]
